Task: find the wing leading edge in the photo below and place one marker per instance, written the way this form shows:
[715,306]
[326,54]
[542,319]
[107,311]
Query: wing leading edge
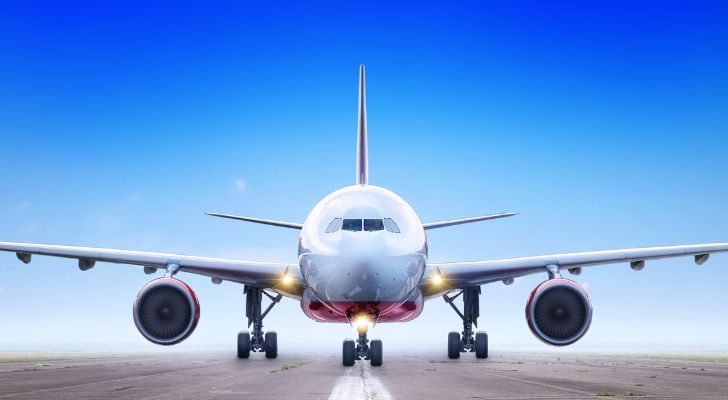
[285,278]
[456,275]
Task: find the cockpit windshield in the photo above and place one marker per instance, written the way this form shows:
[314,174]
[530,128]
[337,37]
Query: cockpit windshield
[366,224]
[353,225]
[371,225]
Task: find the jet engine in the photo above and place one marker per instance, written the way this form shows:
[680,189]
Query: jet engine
[559,312]
[166,311]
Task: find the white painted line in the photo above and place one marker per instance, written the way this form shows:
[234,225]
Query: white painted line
[360,386]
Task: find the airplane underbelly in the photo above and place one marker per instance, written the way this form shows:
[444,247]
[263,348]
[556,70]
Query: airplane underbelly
[339,311]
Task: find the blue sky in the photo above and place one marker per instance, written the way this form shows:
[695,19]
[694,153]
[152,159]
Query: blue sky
[604,125]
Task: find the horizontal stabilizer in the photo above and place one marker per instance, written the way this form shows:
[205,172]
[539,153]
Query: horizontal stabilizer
[442,224]
[282,224]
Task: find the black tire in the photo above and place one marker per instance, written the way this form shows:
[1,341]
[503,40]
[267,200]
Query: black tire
[348,352]
[481,345]
[453,345]
[270,343]
[375,353]
[243,344]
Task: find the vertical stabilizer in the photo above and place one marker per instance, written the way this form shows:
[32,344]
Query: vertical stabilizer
[362,158]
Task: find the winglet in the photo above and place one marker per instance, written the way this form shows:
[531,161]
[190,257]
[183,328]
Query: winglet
[362,158]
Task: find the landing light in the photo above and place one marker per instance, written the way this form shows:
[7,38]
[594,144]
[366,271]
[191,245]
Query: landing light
[287,279]
[361,323]
[437,279]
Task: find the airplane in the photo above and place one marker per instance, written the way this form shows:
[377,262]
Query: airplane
[363,259]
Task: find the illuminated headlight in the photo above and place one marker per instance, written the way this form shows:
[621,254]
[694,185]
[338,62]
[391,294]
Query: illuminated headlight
[361,323]
[287,279]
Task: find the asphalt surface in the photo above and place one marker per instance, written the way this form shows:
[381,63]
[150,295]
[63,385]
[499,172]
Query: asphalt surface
[403,376]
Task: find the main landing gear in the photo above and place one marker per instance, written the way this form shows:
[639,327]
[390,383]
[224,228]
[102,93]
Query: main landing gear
[362,348]
[470,341]
[256,341]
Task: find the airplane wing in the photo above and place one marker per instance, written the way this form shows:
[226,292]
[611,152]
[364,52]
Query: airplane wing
[285,278]
[442,277]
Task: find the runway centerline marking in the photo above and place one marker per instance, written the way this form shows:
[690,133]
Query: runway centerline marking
[361,386]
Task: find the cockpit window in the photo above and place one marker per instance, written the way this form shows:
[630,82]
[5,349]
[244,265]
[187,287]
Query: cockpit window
[391,225]
[371,225]
[334,225]
[353,225]
[367,225]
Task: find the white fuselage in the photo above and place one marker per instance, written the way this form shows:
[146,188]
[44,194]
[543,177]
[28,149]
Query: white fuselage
[362,249]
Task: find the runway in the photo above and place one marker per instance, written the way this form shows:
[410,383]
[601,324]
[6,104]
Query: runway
[403,376]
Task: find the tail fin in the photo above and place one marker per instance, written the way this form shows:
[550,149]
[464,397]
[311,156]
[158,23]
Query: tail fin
[362,158]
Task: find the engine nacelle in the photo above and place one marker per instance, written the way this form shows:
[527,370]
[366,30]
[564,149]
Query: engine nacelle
[559,312]
[166,311]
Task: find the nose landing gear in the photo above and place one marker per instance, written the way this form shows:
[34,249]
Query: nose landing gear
[362,348]
[470,341]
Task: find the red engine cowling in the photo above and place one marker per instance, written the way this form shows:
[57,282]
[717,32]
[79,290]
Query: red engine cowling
[166,311]
[559,312]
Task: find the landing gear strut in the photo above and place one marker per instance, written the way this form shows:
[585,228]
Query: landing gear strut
[470,341]
[257,341]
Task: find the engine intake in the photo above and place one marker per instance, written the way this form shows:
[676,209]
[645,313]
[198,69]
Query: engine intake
[559,312]
[166,311]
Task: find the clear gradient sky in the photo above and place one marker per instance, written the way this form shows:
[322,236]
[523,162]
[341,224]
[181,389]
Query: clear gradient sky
[605,125]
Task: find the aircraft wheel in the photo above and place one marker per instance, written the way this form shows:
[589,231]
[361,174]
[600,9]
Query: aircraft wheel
[348,352]
[243,344]
[375,353]
[481,345]
[271,344]
[453,345]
